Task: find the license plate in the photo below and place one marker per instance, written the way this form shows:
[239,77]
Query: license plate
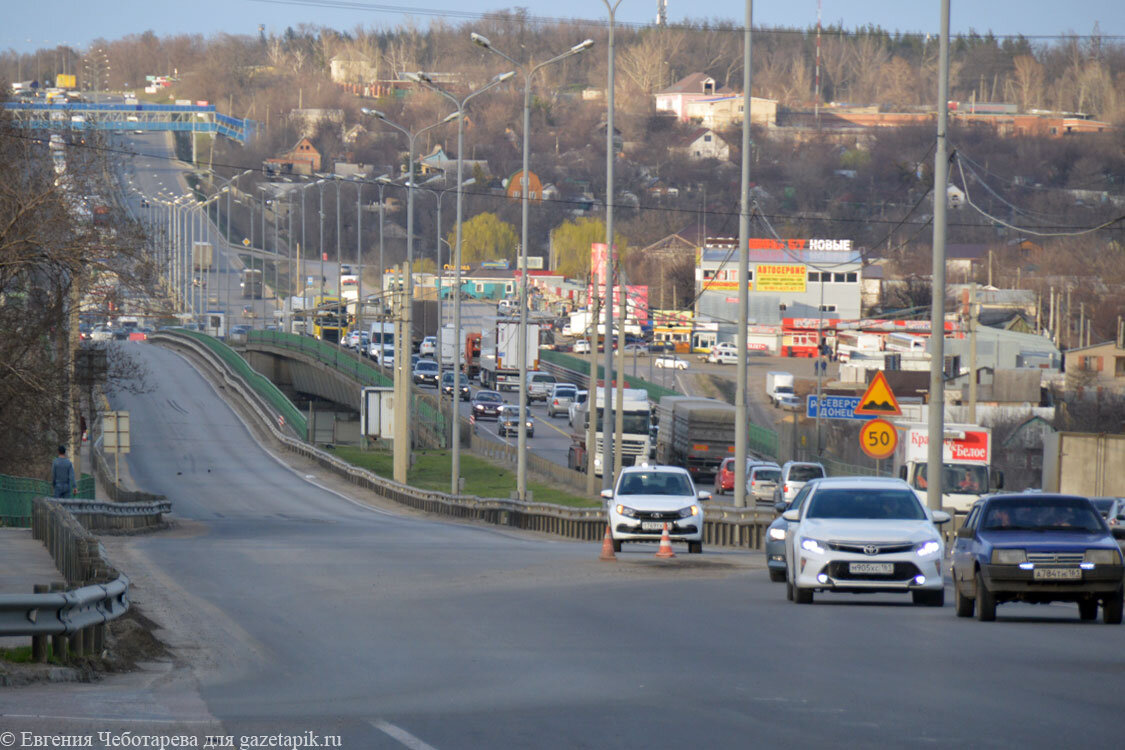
[1057,574]
[652,525]
[882,569]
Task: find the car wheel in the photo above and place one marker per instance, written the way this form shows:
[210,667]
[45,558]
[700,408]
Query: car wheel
[965,606]
[777,576]
[929,598]
[695,548]
[802,596]
[616,545]
[1112,607]
[1088,609]
[986,601]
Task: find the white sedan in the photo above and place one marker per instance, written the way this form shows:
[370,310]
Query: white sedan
[671,361]
[864,534]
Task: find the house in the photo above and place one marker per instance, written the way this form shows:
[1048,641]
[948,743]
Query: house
[1103,364]
[351,169]
[514,187]
[438,162]
[960,260]
[354,133]
[680,94]
[352,69]
[726,111]
[303,158]
[703,143]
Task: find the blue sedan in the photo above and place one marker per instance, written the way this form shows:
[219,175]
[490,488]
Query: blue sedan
[775,534]
[1037,548]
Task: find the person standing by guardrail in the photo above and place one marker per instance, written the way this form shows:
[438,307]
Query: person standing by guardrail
[62,475]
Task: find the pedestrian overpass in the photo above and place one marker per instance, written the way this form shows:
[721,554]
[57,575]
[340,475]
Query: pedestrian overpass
[189,118]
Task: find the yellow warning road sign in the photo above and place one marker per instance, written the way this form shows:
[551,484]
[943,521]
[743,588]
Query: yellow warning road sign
[878,400]
[878,438]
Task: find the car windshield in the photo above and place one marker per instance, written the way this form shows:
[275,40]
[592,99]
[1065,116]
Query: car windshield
[426,367]
[489,396]
[655,483]
[867,503]
[1042,514]
[542,378]
[1103,504]
[565,392]
[963,479]
[767,475]
[447,378]
[805,473]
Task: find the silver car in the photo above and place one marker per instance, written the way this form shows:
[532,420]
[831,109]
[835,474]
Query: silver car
[561,397]
[761,481]
[794,475]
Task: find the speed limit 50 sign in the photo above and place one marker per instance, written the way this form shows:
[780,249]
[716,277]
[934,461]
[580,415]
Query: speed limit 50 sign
[878,439]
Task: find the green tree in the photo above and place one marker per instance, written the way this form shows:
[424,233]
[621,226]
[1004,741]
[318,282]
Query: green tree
[571,242]
[486,237]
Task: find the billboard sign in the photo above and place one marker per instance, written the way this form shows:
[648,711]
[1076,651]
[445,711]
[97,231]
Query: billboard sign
[771,277]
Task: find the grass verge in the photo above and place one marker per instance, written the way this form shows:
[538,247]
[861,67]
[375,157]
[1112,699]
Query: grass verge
[432,471]
[22,655]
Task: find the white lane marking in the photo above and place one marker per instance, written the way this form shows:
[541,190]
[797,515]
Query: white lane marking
[400,734]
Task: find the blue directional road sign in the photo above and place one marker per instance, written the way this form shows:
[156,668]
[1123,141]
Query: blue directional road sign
[836,407]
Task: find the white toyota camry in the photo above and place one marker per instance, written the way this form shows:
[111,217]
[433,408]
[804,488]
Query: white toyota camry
[864,534]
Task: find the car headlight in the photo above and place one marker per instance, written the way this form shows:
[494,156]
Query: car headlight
[529,423]
[925,549]
[1102,557]
[690,511]
[625,510]
[812,545]
[777,534]
[478,407]
[1009,556]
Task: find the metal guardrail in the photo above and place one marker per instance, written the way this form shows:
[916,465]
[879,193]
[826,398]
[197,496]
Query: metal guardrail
[724,525]
[63,613]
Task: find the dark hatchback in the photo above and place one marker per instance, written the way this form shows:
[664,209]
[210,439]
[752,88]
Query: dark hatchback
[486,404]
[1037,548]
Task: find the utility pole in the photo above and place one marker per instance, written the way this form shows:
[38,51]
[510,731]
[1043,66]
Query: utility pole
[1069,312]
[742,411]
[937,307]
[1081,322]
[1051,315]
[591,398]
[973,354]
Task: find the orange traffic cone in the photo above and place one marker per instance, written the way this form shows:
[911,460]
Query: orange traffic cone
[607,547]
[665,550]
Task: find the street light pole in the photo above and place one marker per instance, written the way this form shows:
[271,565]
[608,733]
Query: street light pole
[742,411]
[528,74]
[402,400]
[936,414]
[455,468]
[608,472]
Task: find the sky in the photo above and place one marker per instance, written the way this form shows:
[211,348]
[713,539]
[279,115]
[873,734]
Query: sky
[29,26]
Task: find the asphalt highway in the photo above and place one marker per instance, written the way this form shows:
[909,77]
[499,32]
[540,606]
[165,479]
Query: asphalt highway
[293,607]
